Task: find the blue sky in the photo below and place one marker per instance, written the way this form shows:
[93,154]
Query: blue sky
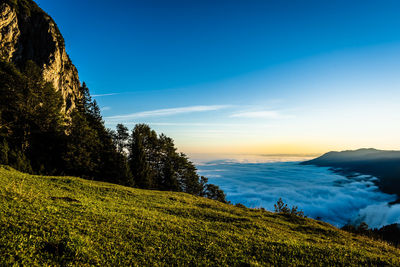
[242,76]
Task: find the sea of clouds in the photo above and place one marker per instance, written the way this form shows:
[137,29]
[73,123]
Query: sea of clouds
[319,192]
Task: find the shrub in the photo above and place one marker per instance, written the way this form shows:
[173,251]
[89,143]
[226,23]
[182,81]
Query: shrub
[240,205]
[281,207]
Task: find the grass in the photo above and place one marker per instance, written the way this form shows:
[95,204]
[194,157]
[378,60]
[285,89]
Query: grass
[48,221]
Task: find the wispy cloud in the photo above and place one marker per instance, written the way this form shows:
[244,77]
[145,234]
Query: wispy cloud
[166,112]
[100,95]
[106,108]
[200,125]
[269,114]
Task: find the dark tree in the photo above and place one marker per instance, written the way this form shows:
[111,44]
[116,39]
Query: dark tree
[138,161]
[214,192]
[36,136]
[281,207]
[4,151]
[31,120]
[90,150]
[121,138]
[155,163]
[167,175]
[81,157]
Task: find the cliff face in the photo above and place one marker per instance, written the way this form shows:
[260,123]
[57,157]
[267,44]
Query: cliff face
[28,33]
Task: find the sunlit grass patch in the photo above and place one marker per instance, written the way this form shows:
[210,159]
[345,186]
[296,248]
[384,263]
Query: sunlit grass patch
[71,221]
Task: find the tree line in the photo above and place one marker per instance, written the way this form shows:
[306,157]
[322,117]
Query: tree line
[36,137]
[389,233]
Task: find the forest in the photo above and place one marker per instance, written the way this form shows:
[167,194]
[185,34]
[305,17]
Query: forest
[37,137]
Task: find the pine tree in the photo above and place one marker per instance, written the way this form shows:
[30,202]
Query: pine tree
[139,165]
[36,137]
[214,192]
[46,123]
[4,150]
[121,138]
[81,151]
[170,177]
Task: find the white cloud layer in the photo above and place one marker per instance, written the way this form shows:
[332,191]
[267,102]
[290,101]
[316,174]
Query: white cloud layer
[317,191]
[166,112]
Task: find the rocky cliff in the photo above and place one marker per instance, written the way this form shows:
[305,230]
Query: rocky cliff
[28,33]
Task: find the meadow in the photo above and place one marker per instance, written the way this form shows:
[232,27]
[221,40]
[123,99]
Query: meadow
[68,221]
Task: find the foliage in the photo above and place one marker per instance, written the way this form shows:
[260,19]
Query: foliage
[156,164]
[121,138]
[281,207]
[36,137]
[4,151]
[389,233]
[142,150]
[90,151]
[66,221]
[30,117]
[214,192]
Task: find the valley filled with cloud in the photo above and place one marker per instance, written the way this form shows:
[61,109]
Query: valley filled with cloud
[317,191]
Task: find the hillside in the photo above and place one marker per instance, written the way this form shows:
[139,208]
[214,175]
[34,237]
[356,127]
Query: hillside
[385,165]
[71,221]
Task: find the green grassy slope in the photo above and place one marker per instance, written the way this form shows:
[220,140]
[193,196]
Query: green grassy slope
[71,221]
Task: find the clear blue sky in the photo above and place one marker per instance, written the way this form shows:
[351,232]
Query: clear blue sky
[242,76]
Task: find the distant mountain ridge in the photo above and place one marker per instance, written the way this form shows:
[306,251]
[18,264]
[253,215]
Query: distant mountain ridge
[362,154]
[383,164]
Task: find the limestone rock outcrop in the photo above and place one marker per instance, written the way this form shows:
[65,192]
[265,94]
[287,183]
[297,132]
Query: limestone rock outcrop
[28,33]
